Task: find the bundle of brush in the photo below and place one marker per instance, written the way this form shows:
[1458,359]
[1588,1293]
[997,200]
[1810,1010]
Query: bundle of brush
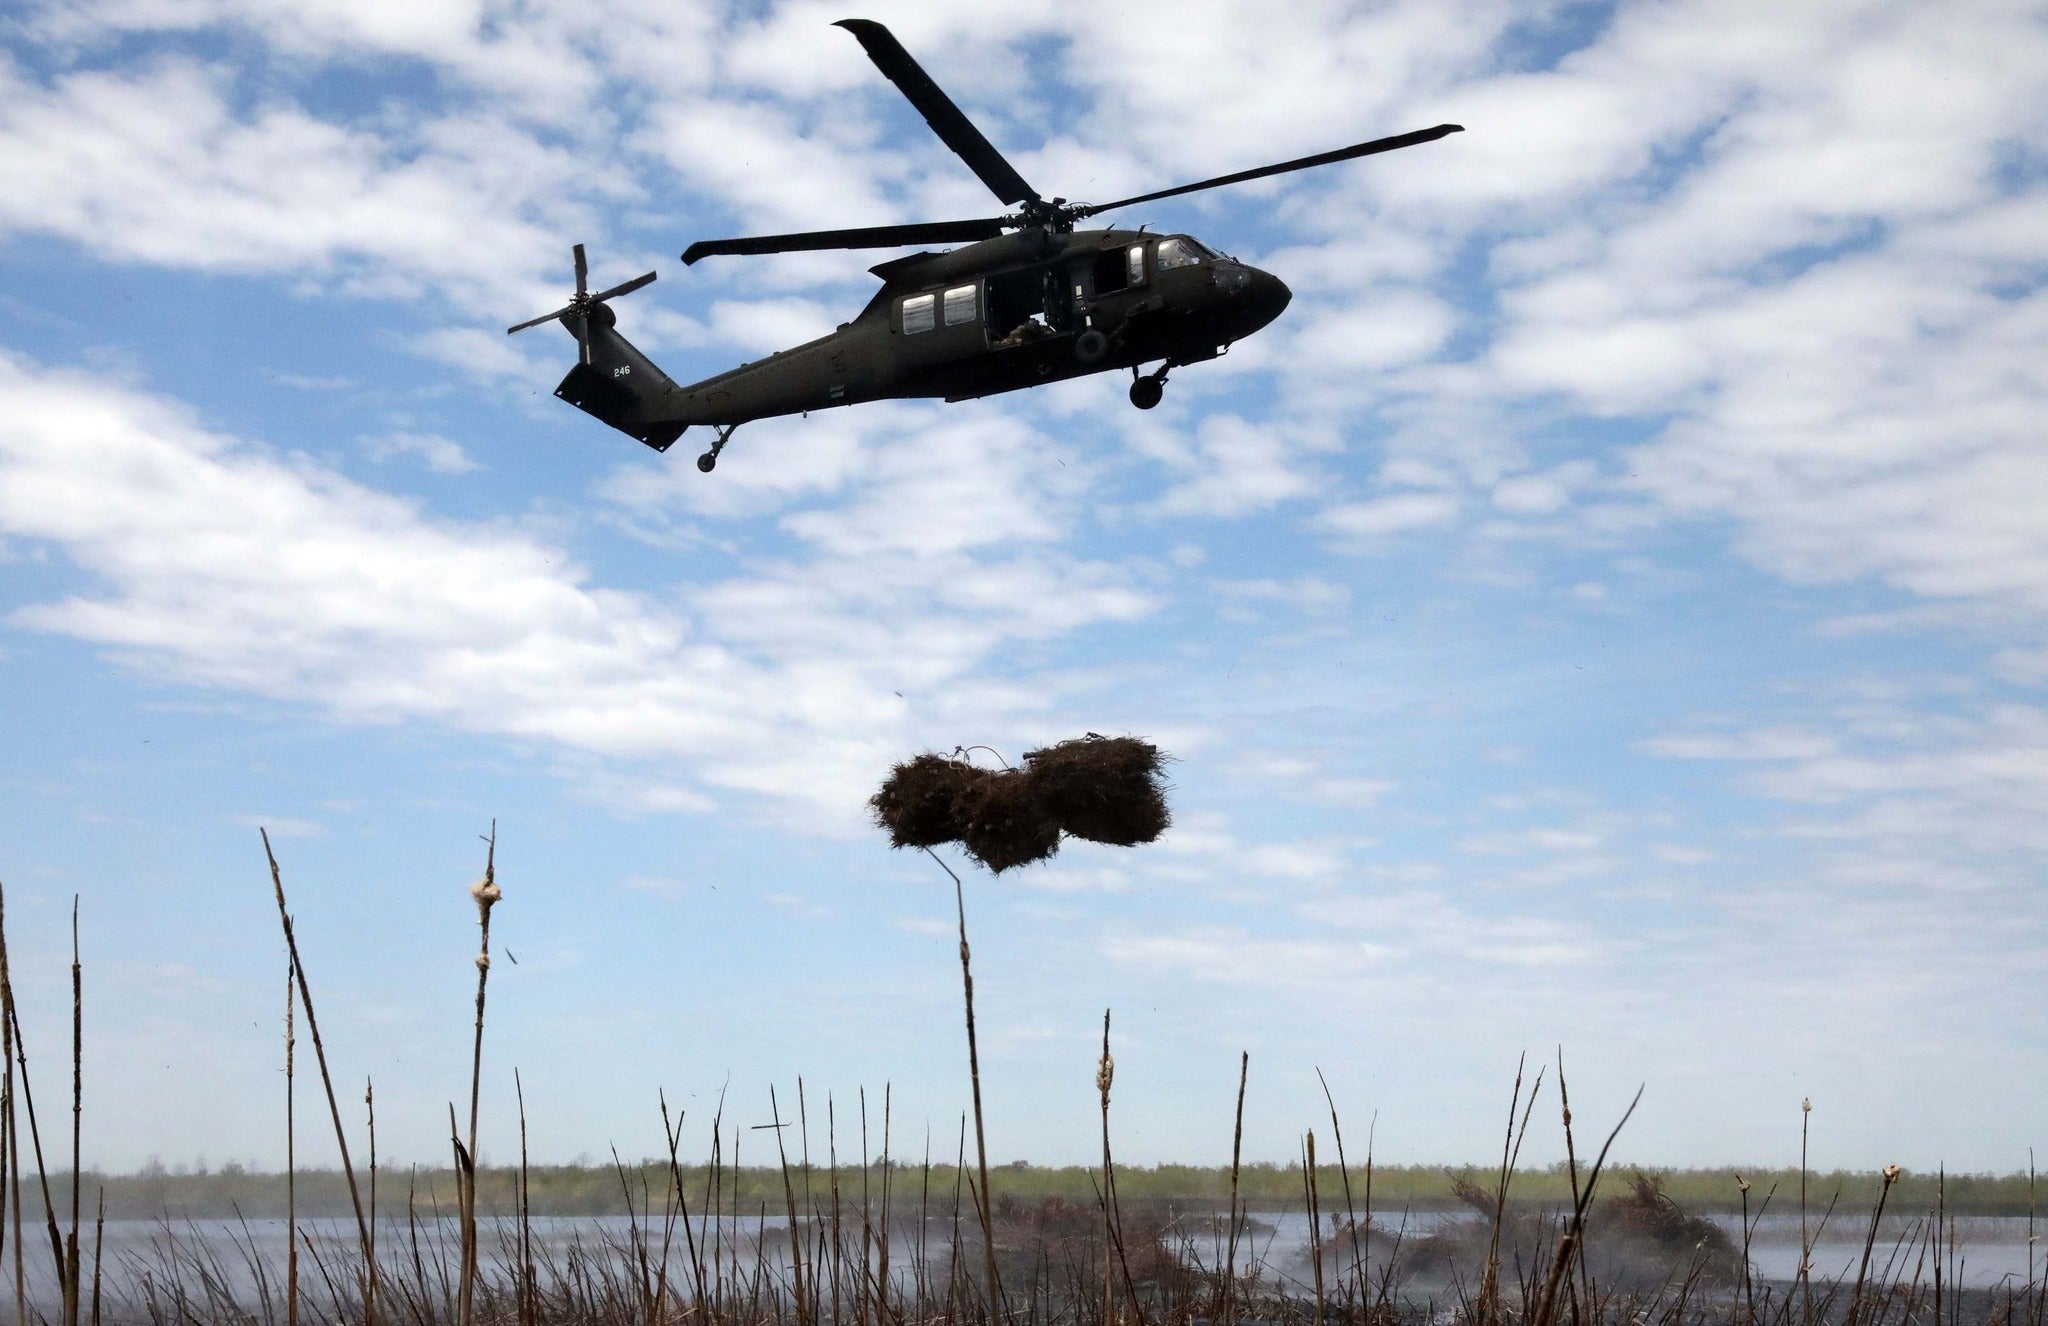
[1105,789]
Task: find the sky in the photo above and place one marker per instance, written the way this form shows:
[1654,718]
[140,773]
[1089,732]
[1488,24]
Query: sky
[1606,615]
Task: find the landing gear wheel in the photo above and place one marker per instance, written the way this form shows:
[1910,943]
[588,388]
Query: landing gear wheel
[1090,346]
[1147,392]
[709,459]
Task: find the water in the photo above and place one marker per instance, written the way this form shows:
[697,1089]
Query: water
[1989,1252]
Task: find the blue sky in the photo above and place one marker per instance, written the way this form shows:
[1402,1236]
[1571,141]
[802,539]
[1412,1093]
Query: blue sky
[1608,610]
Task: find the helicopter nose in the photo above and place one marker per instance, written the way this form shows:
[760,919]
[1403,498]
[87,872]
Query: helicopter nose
[1255,297]
[1268,296]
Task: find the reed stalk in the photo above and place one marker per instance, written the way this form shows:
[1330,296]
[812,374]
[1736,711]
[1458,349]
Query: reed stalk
[298,967]
[35,1137]
[2039,1284]
[1891,1176]
[465,1174]
[796,1250]
[888,1185]
[1344,1172]
[1105,1075]
[638,1246]
[291,1154]
[1940,1225]
[526,1276]
[370,1259]
[487,894]
[13,1122]
[922,1287]
[1315,1218]
[837,1242]
[1805,1241]
[982,1199]
[1372,1129]
[1573,1242]
[1511,1149]
[675,1140]
[1748,1280]
[1229,1281]
[71,1281]
[99,1235]
[810,1206]
[8,1188]
[1571,1155]
[953,1254]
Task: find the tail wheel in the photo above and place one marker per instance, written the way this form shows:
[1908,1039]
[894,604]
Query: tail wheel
[1090,346]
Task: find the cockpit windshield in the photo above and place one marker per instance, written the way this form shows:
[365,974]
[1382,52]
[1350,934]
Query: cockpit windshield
[1180,251]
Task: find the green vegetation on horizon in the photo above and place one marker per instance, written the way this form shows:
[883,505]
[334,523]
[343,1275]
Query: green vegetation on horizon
[585,1190]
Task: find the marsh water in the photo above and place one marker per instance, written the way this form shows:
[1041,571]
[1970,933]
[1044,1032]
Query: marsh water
[1980,1252]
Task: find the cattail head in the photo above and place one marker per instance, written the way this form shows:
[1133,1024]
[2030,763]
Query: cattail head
[483,962]
[486,892]
[1742,1183]
[1806,1105]
[1105,1073]
[1891,1176]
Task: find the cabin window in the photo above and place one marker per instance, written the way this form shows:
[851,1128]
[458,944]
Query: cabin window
[1176,253]
[919,314]
[1134,269]
[959,305]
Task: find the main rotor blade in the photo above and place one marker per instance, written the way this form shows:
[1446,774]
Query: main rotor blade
[625,289]
[1300,163]
[953,127]
[545,317]
[582,269]
[869,237]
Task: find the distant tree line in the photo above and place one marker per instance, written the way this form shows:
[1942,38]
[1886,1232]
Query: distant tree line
[589,1190]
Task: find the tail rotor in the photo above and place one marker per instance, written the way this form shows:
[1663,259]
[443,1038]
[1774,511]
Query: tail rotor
[576,315]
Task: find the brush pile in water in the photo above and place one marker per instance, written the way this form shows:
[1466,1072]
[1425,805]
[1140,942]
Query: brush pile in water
[1104,789]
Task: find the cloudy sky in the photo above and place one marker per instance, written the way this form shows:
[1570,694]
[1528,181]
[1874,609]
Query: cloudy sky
[1609,610]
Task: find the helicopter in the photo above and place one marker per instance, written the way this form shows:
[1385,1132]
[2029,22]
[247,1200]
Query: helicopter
[1028,299]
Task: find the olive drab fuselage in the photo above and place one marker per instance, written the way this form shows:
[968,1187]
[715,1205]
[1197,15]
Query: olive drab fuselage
[994,316]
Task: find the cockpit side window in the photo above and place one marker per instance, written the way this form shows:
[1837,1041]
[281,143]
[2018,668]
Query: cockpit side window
[1134,271]
[1176,252]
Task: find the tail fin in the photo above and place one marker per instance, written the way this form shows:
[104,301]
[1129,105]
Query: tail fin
[622,387]
[613,381]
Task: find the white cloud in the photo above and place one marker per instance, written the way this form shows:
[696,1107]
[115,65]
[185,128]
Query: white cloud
[1775,743]
[153,165]
[1237,468]
[1542,494]
[222,564]
[1388,515]
[1385,329]
[1310,595]
[442,455]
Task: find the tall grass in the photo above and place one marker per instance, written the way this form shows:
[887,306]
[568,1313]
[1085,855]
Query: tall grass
[1537,1248]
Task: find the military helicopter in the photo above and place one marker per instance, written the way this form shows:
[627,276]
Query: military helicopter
[1028,300]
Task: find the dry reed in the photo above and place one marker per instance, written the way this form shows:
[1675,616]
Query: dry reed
[828,1276]
[298,967]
